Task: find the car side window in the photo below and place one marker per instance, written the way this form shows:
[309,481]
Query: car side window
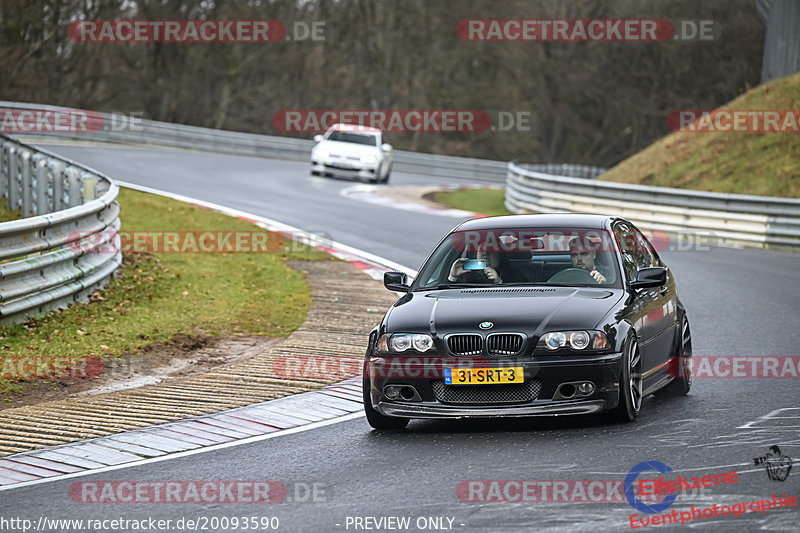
[644,253]
[626,240]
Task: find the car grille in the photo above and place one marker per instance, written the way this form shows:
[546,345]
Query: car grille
[487,394]
[470,344]
[504,343]
[340,167]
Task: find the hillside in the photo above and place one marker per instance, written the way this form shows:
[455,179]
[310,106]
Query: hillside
[746,163]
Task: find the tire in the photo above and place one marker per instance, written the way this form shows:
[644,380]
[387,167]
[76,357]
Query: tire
[681,385]
[377,420]
[315,173]
[386,177]
[630,383]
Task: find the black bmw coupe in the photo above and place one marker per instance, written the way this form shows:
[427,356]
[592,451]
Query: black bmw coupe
[529,315]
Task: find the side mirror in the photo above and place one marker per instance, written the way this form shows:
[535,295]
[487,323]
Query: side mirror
[386,147]
[650,277]
[396,281]
[317,138]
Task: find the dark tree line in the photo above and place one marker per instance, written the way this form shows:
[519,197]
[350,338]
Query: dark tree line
[593,103]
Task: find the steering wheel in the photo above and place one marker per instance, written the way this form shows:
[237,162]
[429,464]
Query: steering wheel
[572,275]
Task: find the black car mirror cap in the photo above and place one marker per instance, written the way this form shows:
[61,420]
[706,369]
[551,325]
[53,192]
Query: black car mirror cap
[650,277]
[396,281]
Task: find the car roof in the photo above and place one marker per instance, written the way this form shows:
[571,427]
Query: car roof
[356,128]
[549,221]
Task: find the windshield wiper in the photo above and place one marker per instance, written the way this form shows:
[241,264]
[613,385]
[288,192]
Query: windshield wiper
[453,286]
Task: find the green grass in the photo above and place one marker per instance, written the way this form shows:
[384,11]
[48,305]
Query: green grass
[7,214]
[159,295]
[484,201]
[745,163]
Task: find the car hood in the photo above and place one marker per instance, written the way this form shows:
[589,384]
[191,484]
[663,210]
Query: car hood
[529,310]
[348,149]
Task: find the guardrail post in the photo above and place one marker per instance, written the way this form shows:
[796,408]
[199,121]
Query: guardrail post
[39,198]
[56,184]
[5,171]
[74,191]
[89,182]
[12,191]
[24,164]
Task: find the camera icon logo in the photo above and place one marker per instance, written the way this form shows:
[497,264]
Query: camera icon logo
[775,463]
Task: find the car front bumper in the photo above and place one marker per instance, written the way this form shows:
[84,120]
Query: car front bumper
[349,170]
[410,410]
[551,373]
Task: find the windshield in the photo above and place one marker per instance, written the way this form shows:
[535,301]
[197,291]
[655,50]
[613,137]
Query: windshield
[367,139]
[522,256]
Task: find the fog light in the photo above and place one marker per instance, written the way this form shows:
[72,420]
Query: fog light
[392,393]
[586,388]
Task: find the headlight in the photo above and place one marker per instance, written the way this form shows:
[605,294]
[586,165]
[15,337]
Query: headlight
[321,152]
[555,340]
[575,340]
[369,159]
[400,342]
[579,340]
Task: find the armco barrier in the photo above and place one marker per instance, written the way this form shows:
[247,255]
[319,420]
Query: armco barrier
[60,199]
[151,132]
[729,219]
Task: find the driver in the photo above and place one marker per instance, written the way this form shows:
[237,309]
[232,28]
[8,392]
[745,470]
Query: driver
[584,258]
[498,270]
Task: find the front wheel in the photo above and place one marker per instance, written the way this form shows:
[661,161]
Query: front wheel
[376,419]
[680,366]
[630,383]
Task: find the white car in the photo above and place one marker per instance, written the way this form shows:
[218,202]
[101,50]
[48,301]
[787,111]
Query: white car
[352,151]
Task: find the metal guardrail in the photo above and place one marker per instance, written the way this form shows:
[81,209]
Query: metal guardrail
[565,169]
[728,219]
[725,218]
[152,132]
[43,263]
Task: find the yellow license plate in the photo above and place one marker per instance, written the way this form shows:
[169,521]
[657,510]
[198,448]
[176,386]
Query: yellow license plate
[483,376]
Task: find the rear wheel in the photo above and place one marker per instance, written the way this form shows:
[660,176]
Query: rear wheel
[681,366]
[630,383]
[376,419]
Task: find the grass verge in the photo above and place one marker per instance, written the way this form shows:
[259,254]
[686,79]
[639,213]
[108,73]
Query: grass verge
[158,295]
[7,214]
[744,163]
[484,201]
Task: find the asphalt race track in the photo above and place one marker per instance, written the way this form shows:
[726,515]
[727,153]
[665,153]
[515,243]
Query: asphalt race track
[740,302]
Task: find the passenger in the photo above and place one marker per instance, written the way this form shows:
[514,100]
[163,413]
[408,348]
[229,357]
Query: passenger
[498,270]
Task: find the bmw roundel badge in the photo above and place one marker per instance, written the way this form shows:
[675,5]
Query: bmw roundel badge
[486,325]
